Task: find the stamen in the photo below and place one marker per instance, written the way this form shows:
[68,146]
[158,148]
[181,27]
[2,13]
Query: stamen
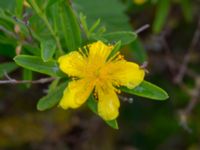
[86,48]
[120,57]
[81,52]
[95,94]
[118,91]
[116,84]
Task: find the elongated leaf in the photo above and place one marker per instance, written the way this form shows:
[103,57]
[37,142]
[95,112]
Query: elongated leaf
[52,98]
[53,85]
[148,90]
[70,26]
[125,37]
[84,23]
[139,53]
[94,26]
[92,104]
[54,14]
[187,9]
[31,49]
[161,15]
[48,48]
[19,8]
[35,63]
[7,68]
[115,49]
[51,2]
[8,5]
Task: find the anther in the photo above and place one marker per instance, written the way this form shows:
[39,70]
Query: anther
[118,91]
[144,65]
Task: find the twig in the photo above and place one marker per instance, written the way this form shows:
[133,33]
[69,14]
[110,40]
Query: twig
[194,97]
[193,102]
[194,92]
[14,81]
[7,32]
[187,57]
[169,59]
[40,81]
[141,29]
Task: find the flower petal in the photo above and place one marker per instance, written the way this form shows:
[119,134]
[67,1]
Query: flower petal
[108,104]
[124,73]
[72,64]
[76,94]
[99,52]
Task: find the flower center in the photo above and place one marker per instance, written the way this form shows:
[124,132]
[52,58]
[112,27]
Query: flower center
[97,73]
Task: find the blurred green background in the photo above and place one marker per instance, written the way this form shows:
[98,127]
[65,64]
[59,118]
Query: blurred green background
[171,47]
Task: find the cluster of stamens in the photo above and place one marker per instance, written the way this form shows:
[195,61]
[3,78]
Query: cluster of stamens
[116,57]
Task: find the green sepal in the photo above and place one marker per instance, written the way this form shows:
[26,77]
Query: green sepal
[92,104]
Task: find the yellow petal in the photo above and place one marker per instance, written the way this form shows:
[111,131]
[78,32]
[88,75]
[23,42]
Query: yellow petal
[108,104]
[73,64]
[124,73]
[76,93]
[99,52]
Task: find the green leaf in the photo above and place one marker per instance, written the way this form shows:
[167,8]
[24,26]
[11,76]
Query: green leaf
[148,90]
[115,49]
[70,26]
[111,13]
[7,50]
[53,85]
[84,23]
[7,68]
[161,15]
[8,5]
[139,53]
[94,26]
[48,48]
[35,63]
[32,49]
[19,8]
[52,98]
[51,2]
[125,37]
[187,9]
[92,104]
[113,124]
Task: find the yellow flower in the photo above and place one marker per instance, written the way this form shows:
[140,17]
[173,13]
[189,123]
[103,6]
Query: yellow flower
[139,2]
[95,72]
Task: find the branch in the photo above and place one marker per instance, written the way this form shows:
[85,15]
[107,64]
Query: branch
[187,57]
[11,34]
[141,29]
[14,81]
[185,113]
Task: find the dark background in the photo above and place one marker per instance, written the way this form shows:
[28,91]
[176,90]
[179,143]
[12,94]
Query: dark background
[171,47]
